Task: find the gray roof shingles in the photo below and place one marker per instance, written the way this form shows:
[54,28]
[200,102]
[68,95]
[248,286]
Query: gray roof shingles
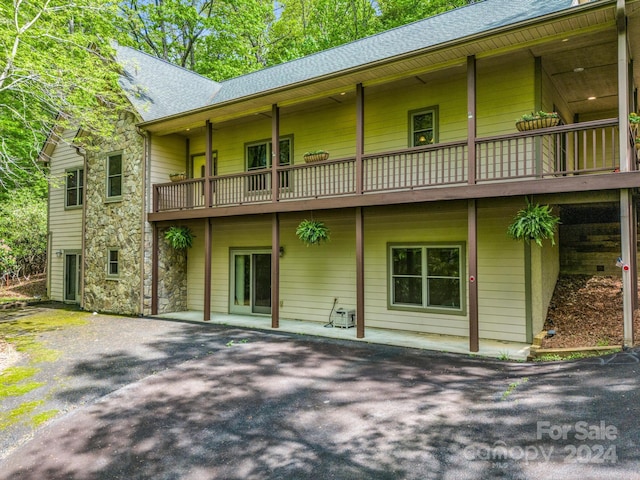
[449,26]
[158,89]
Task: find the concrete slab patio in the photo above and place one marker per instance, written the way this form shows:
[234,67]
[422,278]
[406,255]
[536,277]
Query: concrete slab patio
[398,338]
[156,399]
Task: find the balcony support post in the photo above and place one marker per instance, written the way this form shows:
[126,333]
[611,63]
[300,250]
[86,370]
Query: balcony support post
[359,137]
[629,273]
[471,118]
[207,269]
[626,164]
[275,151]
[359,272]
[472,237]
[275,271]
[208,167]
[154,268]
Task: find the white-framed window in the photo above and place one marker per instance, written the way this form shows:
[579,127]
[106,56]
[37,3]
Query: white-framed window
[427,277]
[113,263]
[114,176]
[423,126]
[258,157]
[74,186]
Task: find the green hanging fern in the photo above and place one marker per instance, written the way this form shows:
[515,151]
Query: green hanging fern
[179,238]
[312,232]
[535,222]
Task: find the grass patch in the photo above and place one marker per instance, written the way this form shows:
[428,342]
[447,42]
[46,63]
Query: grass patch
[14,381]
[554,357]
[18,414]
[42,417]
[513,386]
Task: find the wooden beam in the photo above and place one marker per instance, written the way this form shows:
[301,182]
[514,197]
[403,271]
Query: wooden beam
[577,183]
[275,151]
[472,236]
[360,314]
[626,163]
[275,271]
[208,165]
[471,117]
[207,269]
[154,268]
[359,137]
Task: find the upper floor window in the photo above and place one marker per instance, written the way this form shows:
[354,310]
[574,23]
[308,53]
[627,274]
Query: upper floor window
[259,153]
[426,277]
[259,156]
[114,176]
[423,126]
[74,186]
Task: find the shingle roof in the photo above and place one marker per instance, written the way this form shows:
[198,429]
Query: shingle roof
[158,89]
[449,26]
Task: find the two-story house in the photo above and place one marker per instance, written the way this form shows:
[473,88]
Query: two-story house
[426,170]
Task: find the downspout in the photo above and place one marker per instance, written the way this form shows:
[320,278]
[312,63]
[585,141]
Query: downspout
[146,158]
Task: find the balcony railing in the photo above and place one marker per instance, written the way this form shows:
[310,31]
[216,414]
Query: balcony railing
[576,149]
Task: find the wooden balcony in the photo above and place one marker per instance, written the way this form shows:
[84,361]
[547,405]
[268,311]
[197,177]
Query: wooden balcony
[569,150]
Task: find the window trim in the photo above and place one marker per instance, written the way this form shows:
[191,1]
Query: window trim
[461,246]
[268,142]
[412,113]
[79,171]
[113,276]
[114,198]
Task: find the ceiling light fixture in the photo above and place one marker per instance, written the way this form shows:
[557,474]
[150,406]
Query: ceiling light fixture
[578,69]
[591,98]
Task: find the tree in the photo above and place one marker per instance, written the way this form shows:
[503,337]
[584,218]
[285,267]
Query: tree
[55,65]
[217,38]
[23,232]
[308,26]
[394,13]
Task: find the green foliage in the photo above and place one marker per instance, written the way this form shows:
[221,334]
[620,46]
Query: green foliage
[55,66]
[227,38]
[534,222]
[308,26]
[394,13]
[179,238]
[23,232]
[634,118]
[538,115]
[312,232]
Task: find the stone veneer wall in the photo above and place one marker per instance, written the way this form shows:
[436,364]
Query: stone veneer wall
[115,224]
[172,277]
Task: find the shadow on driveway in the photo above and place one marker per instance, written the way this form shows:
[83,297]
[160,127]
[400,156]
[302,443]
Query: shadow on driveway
[240,404]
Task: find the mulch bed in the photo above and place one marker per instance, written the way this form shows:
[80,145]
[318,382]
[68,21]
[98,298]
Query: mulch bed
[586,311]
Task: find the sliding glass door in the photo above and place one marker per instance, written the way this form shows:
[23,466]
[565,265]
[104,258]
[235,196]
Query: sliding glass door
[250,281]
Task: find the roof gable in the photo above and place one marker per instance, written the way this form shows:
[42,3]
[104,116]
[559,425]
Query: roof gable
[157,88]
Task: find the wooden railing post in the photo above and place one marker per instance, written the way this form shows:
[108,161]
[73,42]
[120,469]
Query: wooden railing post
[359,138]
[471,118]
[275,151]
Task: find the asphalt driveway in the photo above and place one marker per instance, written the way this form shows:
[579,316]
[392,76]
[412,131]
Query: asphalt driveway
[167,400]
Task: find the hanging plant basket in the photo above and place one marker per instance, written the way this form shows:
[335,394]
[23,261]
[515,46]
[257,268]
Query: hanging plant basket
[180,238]
[177,177]
[317,156]
[312,232]
[534,222]
[536,120]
